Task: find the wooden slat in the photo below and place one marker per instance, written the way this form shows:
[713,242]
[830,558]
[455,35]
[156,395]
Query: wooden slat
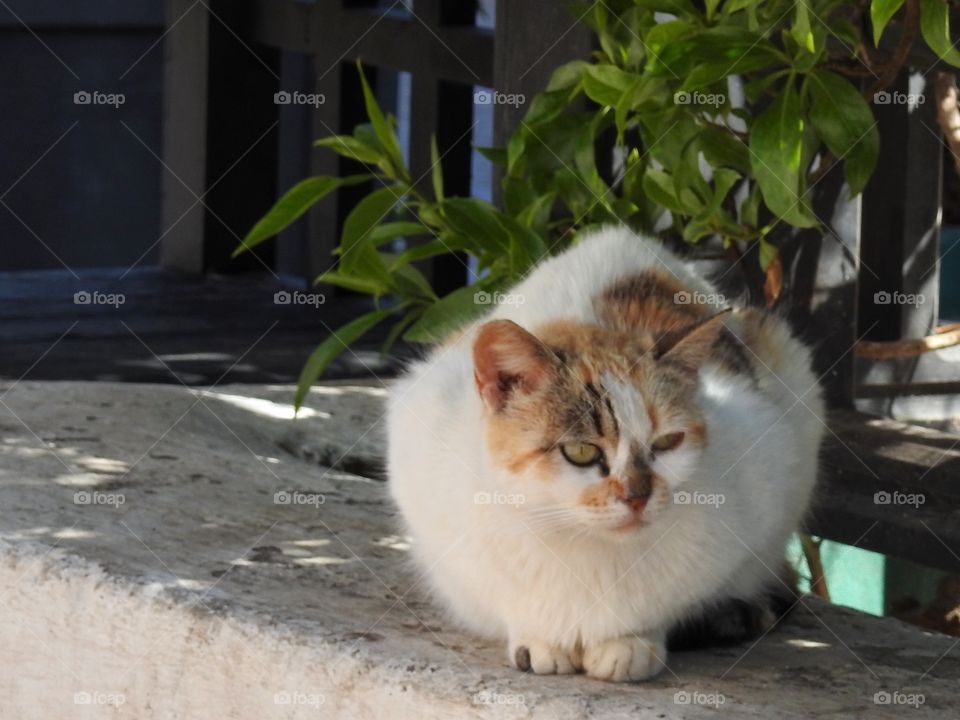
[823,266]
[457,53]
[186,51]
[901,224]
[864,456]
[532,40]
[200,326]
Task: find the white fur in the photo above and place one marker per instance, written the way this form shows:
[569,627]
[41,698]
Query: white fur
[574,597]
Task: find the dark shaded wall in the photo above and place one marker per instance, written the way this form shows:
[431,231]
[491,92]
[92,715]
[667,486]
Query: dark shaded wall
[80,183]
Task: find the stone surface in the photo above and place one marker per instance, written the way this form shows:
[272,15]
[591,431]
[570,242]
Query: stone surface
[149,569]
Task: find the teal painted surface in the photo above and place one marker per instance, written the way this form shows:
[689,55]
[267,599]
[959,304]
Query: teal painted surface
[950,273]
[905,579]
[856,578]
[865,580]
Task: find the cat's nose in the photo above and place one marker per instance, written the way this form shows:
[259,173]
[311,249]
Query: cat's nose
[637,490]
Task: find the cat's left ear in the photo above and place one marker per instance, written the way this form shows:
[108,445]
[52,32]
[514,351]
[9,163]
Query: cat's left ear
[690,346]
[508,360]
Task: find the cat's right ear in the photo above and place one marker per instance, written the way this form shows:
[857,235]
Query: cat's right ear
[508,360]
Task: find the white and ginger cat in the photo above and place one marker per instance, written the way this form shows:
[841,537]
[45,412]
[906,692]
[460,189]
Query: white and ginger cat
[604,459]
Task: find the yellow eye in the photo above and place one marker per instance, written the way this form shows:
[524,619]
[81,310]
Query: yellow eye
[580,453]
[667,442]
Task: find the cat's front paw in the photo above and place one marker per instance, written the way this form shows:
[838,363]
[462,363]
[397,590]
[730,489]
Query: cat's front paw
[544,659]
[625,659]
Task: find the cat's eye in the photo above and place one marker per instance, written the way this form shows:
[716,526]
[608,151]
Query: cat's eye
[667,442]
[580,453]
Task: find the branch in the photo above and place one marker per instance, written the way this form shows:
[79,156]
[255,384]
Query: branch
[818,581]
[944,337]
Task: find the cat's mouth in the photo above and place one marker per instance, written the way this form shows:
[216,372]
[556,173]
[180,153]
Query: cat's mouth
[632,522]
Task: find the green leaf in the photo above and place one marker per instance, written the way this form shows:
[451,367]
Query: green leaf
[935,28]
[449,314]
[352,282]
[392,230]
[723,149]
[526,246]
[411,283]
[496,155]
[351,147]
[846,124]
[439,246]
[357,253]
[712,71]
[768,252]
[880,13]
[476,220]
[723,180]
[750,207]
[801,27]
[385,134]
[733,6]
[336,343]
[536,214]
[397,329]
[691,187]
[606,84]
[696,229]
[294,203]
[566,76]
[776,146]
[624,105]
[546,106]
[436,170]
[659,187]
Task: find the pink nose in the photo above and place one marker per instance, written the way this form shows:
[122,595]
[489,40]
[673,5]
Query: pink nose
[636,503]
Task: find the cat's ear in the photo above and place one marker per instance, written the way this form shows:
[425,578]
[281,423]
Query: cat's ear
[508,360]
[690,346]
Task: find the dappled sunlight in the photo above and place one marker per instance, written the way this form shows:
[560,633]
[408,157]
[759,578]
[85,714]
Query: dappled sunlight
[903,452]
[103,466]
[344,390]
[82,479]
[188,584]
[394,542]
[322,560]
[259,406]
[807,644]
[43,531]
[74,534]
[317,542]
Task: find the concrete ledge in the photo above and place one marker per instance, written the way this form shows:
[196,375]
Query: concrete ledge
[182,586]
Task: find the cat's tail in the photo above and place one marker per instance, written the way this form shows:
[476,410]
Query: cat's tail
[730,621]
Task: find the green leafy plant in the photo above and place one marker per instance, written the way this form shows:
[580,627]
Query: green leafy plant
[723,116]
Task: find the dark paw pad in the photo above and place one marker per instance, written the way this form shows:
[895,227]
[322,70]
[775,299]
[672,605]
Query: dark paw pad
[522,658]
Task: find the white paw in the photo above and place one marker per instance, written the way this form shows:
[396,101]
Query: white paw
[625,659]
[544,659]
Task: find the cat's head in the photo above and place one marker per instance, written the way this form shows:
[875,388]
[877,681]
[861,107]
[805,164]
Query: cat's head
[593,427]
